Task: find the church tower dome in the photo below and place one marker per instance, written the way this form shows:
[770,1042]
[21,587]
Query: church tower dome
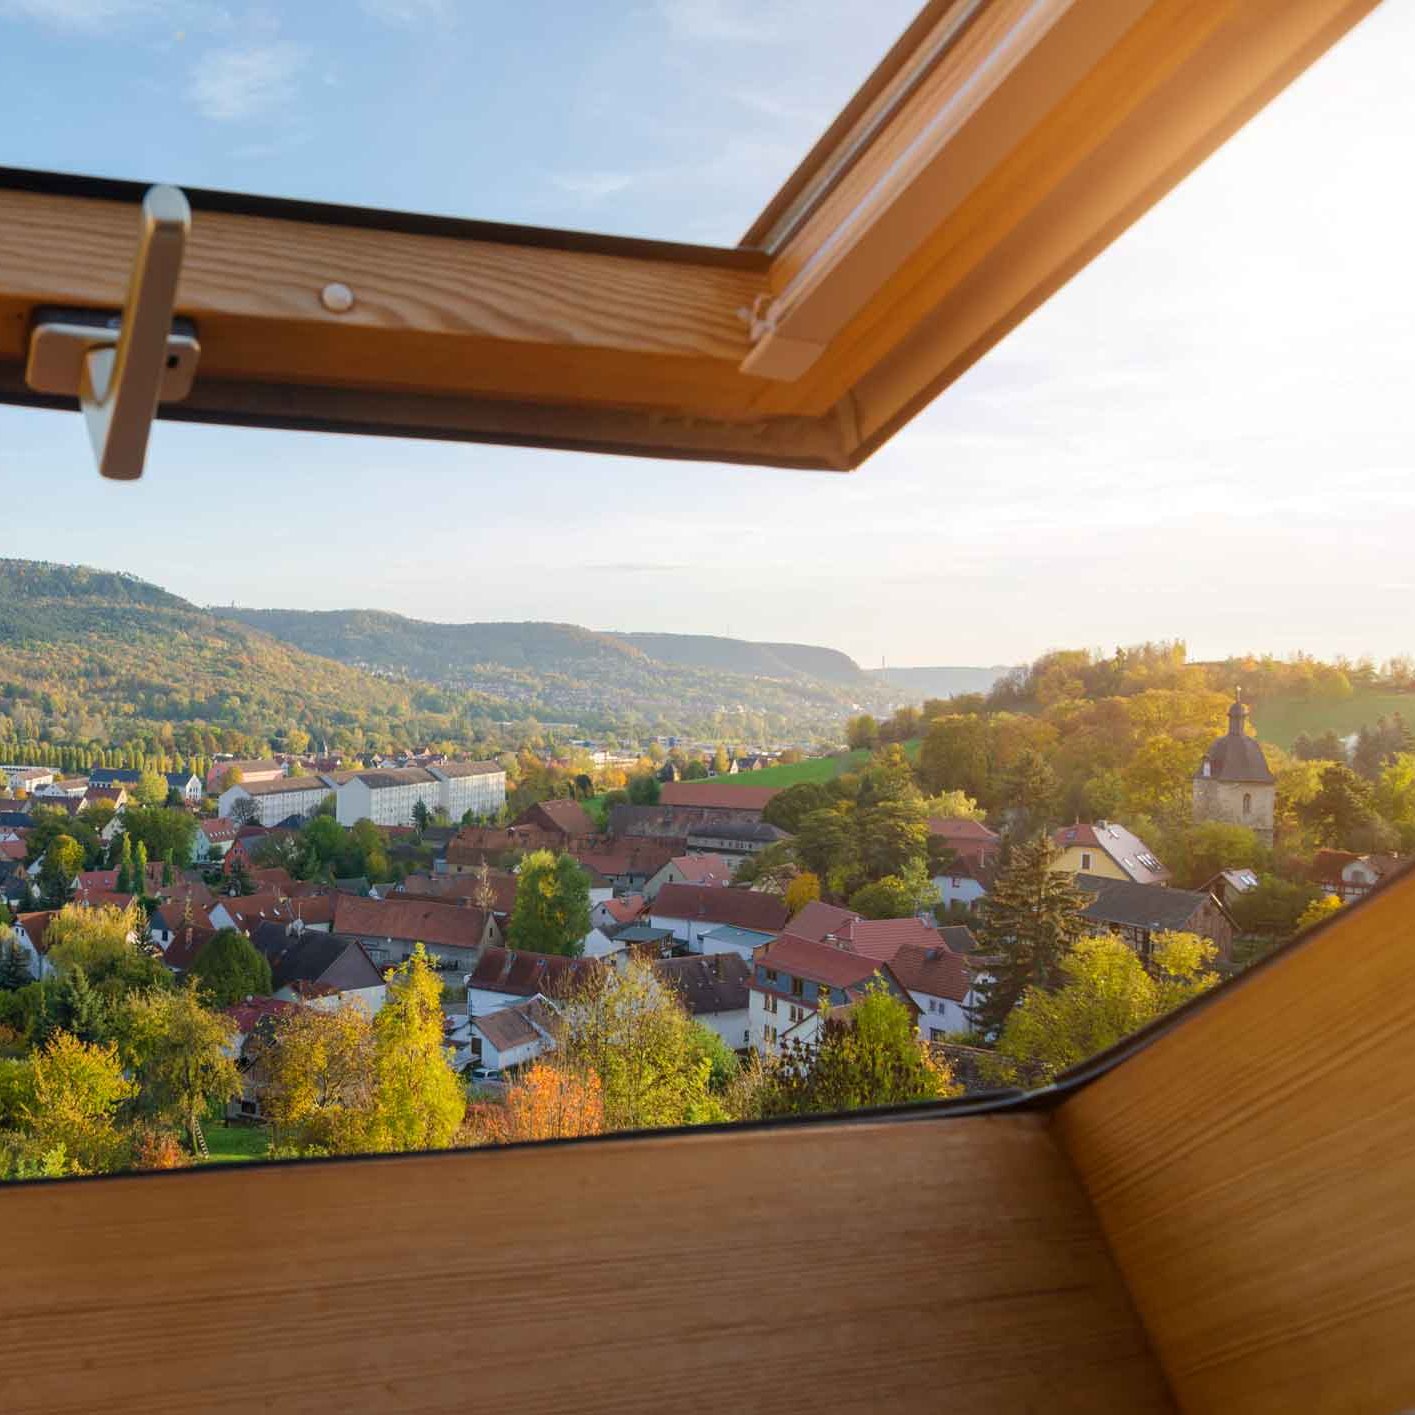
[1233,782]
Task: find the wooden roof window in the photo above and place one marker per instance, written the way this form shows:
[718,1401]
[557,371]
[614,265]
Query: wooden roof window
[995,151]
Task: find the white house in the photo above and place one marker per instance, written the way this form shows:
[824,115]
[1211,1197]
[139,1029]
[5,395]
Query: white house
[213,839]
[388,796]
[715,991]
[278,799]
[512,1036]
[965,883]
[690,869]
[27,778]
[69,789]
[691,911]
[792,976]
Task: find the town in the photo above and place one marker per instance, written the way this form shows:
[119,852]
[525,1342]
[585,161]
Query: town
[305,954]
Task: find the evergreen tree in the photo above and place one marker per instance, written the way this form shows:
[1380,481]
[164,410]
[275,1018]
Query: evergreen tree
[139,885]
[124,882]
[14,967]
[169,869]
[230,968]
[79,1009]
[1031,920]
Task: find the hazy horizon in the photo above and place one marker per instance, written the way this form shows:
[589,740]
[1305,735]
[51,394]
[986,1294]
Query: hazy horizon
[1205,436]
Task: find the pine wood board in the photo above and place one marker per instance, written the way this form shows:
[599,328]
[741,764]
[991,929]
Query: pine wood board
[916,1266]
[1254,1171]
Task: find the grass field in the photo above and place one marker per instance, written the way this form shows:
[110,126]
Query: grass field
[817,769]
[233,1144]
[1280,720]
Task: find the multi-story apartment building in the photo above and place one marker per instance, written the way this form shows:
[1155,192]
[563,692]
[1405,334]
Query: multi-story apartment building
[388,795]
[277,800]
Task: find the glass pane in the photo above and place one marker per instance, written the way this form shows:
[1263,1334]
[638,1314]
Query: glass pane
[676,119]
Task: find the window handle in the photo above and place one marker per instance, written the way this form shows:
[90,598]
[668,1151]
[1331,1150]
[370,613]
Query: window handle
[119,366]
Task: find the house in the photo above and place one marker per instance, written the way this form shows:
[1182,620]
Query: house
[1108,850]
[936,976]
[389,796]
[566,819]
[213,839]
[690,911]
[500,888]
[218,778]
[166,922]
[731,802]
[246,912]
[512,1036]
[115,796]
[690,869]
[113,776]
[964,837]
[675,825]
[276,799]
[640,941]
[255,1020]
[618,913]
[1350,876]
[1233,782]
[69,788]
[714,990]
[27,778]
[628,865]
[322,969]
[186,784]
[734,840]
[964,883]
[1228,885]
[390,928]
[1139,911]
[504,976]
[476,845]
[792,977]
[30,931]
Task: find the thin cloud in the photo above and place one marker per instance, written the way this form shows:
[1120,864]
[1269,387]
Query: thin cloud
[594,186]
[77,14]
[228,85]
[409,13]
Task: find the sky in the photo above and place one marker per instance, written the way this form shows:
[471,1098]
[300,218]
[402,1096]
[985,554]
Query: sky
[1209,434]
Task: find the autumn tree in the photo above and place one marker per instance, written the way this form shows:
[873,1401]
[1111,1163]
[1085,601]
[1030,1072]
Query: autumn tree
[1106,994]
[150,790]
[803,890]
[871,1057]
[230,967]
[103,942]
[69,1099]
[1317,911]
[862,732]
[545,1102]
[418,1100]
[633,1033]
[552,909]
[1030,921]
[955,756]
[180,1053]
[315,1071]
[63,863]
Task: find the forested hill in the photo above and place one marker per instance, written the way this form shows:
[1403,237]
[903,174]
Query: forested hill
[686,683]
[90,656]
[436,651]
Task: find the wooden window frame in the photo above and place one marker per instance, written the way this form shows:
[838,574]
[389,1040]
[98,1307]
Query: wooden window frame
[996,150]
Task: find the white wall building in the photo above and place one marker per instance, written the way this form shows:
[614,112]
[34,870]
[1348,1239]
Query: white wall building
[277,800]
[388,795]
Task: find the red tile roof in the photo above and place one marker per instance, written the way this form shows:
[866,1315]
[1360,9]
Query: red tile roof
[816,919]
[246,1015]
[36,926]
[881,938]
[508,971]
[623,857]
[717,795]
[820,962]
[742,908]
[437,924]
[568,817]
[626,910]
[703,869]
[958,828]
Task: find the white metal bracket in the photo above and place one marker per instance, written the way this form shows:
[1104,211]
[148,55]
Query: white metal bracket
[120,366]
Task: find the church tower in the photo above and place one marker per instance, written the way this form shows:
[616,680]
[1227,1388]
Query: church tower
[1233,783]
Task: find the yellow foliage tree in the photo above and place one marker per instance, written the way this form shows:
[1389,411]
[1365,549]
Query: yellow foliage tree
[1108,993]
[69,1100]
[418,1100]
[1320,908]
[316,1076]
[803,890]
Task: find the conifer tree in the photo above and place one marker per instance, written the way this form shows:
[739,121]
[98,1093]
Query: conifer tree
[139,884]
[169,868]
[80,1009]
[124,882]
[1031,920]
[14,966]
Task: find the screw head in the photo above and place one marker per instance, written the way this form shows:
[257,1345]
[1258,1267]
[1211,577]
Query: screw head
[337,297]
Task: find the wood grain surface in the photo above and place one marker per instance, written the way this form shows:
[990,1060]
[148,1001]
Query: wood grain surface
[1254,1170]
[941,1264]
